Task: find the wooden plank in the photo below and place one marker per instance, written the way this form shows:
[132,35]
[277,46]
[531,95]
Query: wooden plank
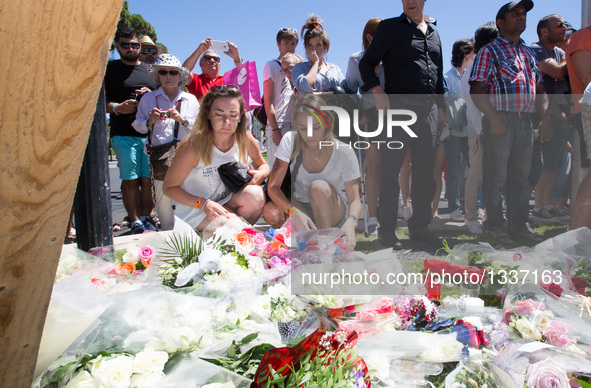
[53,63]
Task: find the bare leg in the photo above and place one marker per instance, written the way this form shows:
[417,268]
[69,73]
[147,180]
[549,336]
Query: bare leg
[146,205]
[327,206]
[273,215]
[248,203]
[130,191]
[581,212]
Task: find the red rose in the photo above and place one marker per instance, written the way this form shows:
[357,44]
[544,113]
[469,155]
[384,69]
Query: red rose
[580,284]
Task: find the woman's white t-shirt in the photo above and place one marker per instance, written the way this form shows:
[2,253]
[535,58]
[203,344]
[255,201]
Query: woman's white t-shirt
[204,181]
[341,167]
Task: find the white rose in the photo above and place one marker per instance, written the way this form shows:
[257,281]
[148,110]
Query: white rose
[147,380]
[543,321]
[112,372]
[82,380]
[131,256]
[474,321]
[527,330]
[278,290]
[149,361]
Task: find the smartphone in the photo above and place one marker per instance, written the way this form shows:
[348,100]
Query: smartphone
[219,45]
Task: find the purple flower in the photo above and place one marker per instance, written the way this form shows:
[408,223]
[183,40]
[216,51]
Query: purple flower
[547,374]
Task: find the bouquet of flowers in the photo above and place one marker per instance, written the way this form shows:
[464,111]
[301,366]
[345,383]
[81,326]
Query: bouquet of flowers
[322,359]
[105,369]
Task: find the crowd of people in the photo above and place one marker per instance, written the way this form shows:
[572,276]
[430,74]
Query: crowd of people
[501,120]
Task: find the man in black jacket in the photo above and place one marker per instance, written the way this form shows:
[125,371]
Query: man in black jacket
[410,51]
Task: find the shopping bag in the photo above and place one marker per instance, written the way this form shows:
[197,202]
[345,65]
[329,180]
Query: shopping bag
[245,77]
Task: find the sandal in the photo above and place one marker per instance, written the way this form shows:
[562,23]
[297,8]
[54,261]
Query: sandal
[500,236]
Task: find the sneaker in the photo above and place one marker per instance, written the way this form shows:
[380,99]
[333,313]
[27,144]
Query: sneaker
[372,225]
[544,215]
[137,227]
[407,213]
[481,214]
[562,213]
[456,215]
[474,227]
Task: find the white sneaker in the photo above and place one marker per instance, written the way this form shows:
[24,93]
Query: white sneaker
[407,213]
[474,227]
[481,214]
[456,215]
[372,226]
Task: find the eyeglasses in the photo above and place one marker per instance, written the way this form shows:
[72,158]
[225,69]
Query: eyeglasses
[288,69]
[210,57]
[220,88]
[287,29]
[126,45]
[152,51]
[559,24]
[171,72]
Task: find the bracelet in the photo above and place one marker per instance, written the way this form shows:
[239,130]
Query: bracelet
[200,204]
[114,110]
[276,129]
[353,217]
[292,210]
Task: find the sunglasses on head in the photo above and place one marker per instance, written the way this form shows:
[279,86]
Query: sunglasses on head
[287,29]
[126,45]
[220,88]
[210,57]
[171,72]
[152,51]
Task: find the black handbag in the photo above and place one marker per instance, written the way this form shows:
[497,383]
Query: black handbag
[161,156]
[234,176]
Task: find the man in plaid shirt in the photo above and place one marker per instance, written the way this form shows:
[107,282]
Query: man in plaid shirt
[506,86]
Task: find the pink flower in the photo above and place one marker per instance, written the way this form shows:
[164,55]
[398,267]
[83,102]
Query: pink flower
[547,374]
[366,315]
[145,254]
[525,307]
[250,231]
[556,334]
[259,240]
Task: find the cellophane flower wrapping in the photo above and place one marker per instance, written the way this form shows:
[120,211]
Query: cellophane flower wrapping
[534,314]
[190,371]
[74,307]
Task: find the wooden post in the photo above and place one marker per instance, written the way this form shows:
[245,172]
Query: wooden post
[53,63]
[92,202]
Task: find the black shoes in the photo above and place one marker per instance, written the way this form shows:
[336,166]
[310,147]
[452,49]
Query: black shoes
[390,241]
[425,237]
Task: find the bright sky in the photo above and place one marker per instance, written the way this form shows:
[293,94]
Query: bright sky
[253,25]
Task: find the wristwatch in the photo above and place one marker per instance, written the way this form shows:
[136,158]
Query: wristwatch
[354,218]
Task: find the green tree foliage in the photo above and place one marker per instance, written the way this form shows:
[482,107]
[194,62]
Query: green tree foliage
[136,22]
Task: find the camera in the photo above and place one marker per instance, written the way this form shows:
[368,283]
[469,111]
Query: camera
[164,115]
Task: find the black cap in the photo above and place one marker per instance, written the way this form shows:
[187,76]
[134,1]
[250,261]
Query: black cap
[528,4]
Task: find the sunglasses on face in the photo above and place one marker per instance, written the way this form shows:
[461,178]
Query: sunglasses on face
[171,72]
[287,29]
[127,45]
[220,88]
[152,51]
[288,69]
[210,57]
[559,24]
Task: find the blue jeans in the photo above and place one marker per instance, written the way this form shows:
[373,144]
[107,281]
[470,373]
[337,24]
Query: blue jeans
[507,158]
[456,154]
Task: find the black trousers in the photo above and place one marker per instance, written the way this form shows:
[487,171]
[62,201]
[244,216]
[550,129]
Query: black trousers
[422,149]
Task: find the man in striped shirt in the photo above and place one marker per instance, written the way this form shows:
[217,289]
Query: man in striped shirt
[505,85]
